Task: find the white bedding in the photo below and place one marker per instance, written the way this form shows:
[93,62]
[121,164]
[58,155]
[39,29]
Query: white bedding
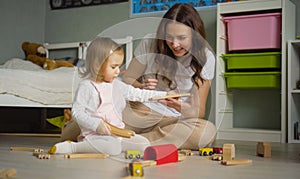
[26,80]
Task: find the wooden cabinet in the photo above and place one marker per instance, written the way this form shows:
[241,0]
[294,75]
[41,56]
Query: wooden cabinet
[254,114]
[293,91]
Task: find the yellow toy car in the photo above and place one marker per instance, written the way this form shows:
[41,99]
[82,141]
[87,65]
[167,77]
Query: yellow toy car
[133,154]
[206,151]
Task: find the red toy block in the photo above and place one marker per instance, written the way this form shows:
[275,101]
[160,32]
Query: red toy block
[162,154]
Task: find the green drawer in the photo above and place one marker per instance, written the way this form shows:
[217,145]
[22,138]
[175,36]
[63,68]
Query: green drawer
[253,80]
[244,61]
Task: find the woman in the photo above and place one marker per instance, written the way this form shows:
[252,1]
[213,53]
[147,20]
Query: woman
[177,59]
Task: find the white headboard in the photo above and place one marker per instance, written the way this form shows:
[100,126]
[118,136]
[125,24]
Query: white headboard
[82,47]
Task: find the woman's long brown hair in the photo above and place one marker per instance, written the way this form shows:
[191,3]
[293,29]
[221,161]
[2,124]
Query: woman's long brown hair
[187,15]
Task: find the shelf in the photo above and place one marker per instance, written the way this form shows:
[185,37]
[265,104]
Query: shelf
[250,134]
[295,91]
[295,141]
[252,114]
[293,97]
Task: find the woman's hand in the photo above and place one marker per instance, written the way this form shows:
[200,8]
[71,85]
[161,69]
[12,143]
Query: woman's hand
[150,83]
[183,107]
[172,103]
[103,129]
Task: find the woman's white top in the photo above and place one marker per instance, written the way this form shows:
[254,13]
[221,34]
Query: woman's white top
[183,75]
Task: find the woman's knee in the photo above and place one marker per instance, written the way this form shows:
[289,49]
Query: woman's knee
[208,135]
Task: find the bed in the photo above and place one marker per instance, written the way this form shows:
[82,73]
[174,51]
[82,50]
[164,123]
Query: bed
[24,84]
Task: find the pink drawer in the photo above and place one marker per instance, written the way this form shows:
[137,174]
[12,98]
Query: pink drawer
[259,31]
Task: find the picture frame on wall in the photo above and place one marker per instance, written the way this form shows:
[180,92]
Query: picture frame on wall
[64,4]
[151,7]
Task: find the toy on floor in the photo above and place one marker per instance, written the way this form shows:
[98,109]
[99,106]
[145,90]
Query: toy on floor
[86,156]
[229,156]
[41,155]
[218,150]
[133,154]
[263,149]
[136,169]
[235,162]
[228,152]
[186,152]
[162,154]
[205,151]
[217,157]
[36,53]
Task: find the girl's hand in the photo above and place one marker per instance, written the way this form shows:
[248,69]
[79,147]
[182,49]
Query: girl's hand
[103,129]
[150,83]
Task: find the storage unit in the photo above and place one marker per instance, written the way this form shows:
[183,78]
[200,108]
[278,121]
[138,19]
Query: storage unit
[263,110]
[253,80]
[293,91]
[248,61]
[255,31]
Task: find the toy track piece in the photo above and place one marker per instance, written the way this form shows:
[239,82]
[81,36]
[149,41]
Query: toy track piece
[120,132]
[85,155]
[235,162]
[169,96]
[26,149]
[148,163]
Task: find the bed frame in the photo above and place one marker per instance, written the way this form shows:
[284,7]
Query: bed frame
[7,100]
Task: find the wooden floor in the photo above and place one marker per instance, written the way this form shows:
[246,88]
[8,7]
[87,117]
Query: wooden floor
[284,163]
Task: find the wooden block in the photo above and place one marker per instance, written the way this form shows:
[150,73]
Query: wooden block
[162,154]
[228,152]
[263,149]
[85,155]
[181,157]
[170,96]
[235,162]
[120,132]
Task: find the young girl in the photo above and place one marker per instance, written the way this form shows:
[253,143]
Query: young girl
[100,98]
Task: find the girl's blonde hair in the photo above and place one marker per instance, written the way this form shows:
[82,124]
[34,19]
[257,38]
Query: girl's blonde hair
[97,53]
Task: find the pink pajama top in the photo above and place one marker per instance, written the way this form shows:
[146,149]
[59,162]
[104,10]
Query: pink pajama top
[95,102]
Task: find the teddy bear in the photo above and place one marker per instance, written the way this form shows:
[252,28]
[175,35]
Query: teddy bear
[36,53]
